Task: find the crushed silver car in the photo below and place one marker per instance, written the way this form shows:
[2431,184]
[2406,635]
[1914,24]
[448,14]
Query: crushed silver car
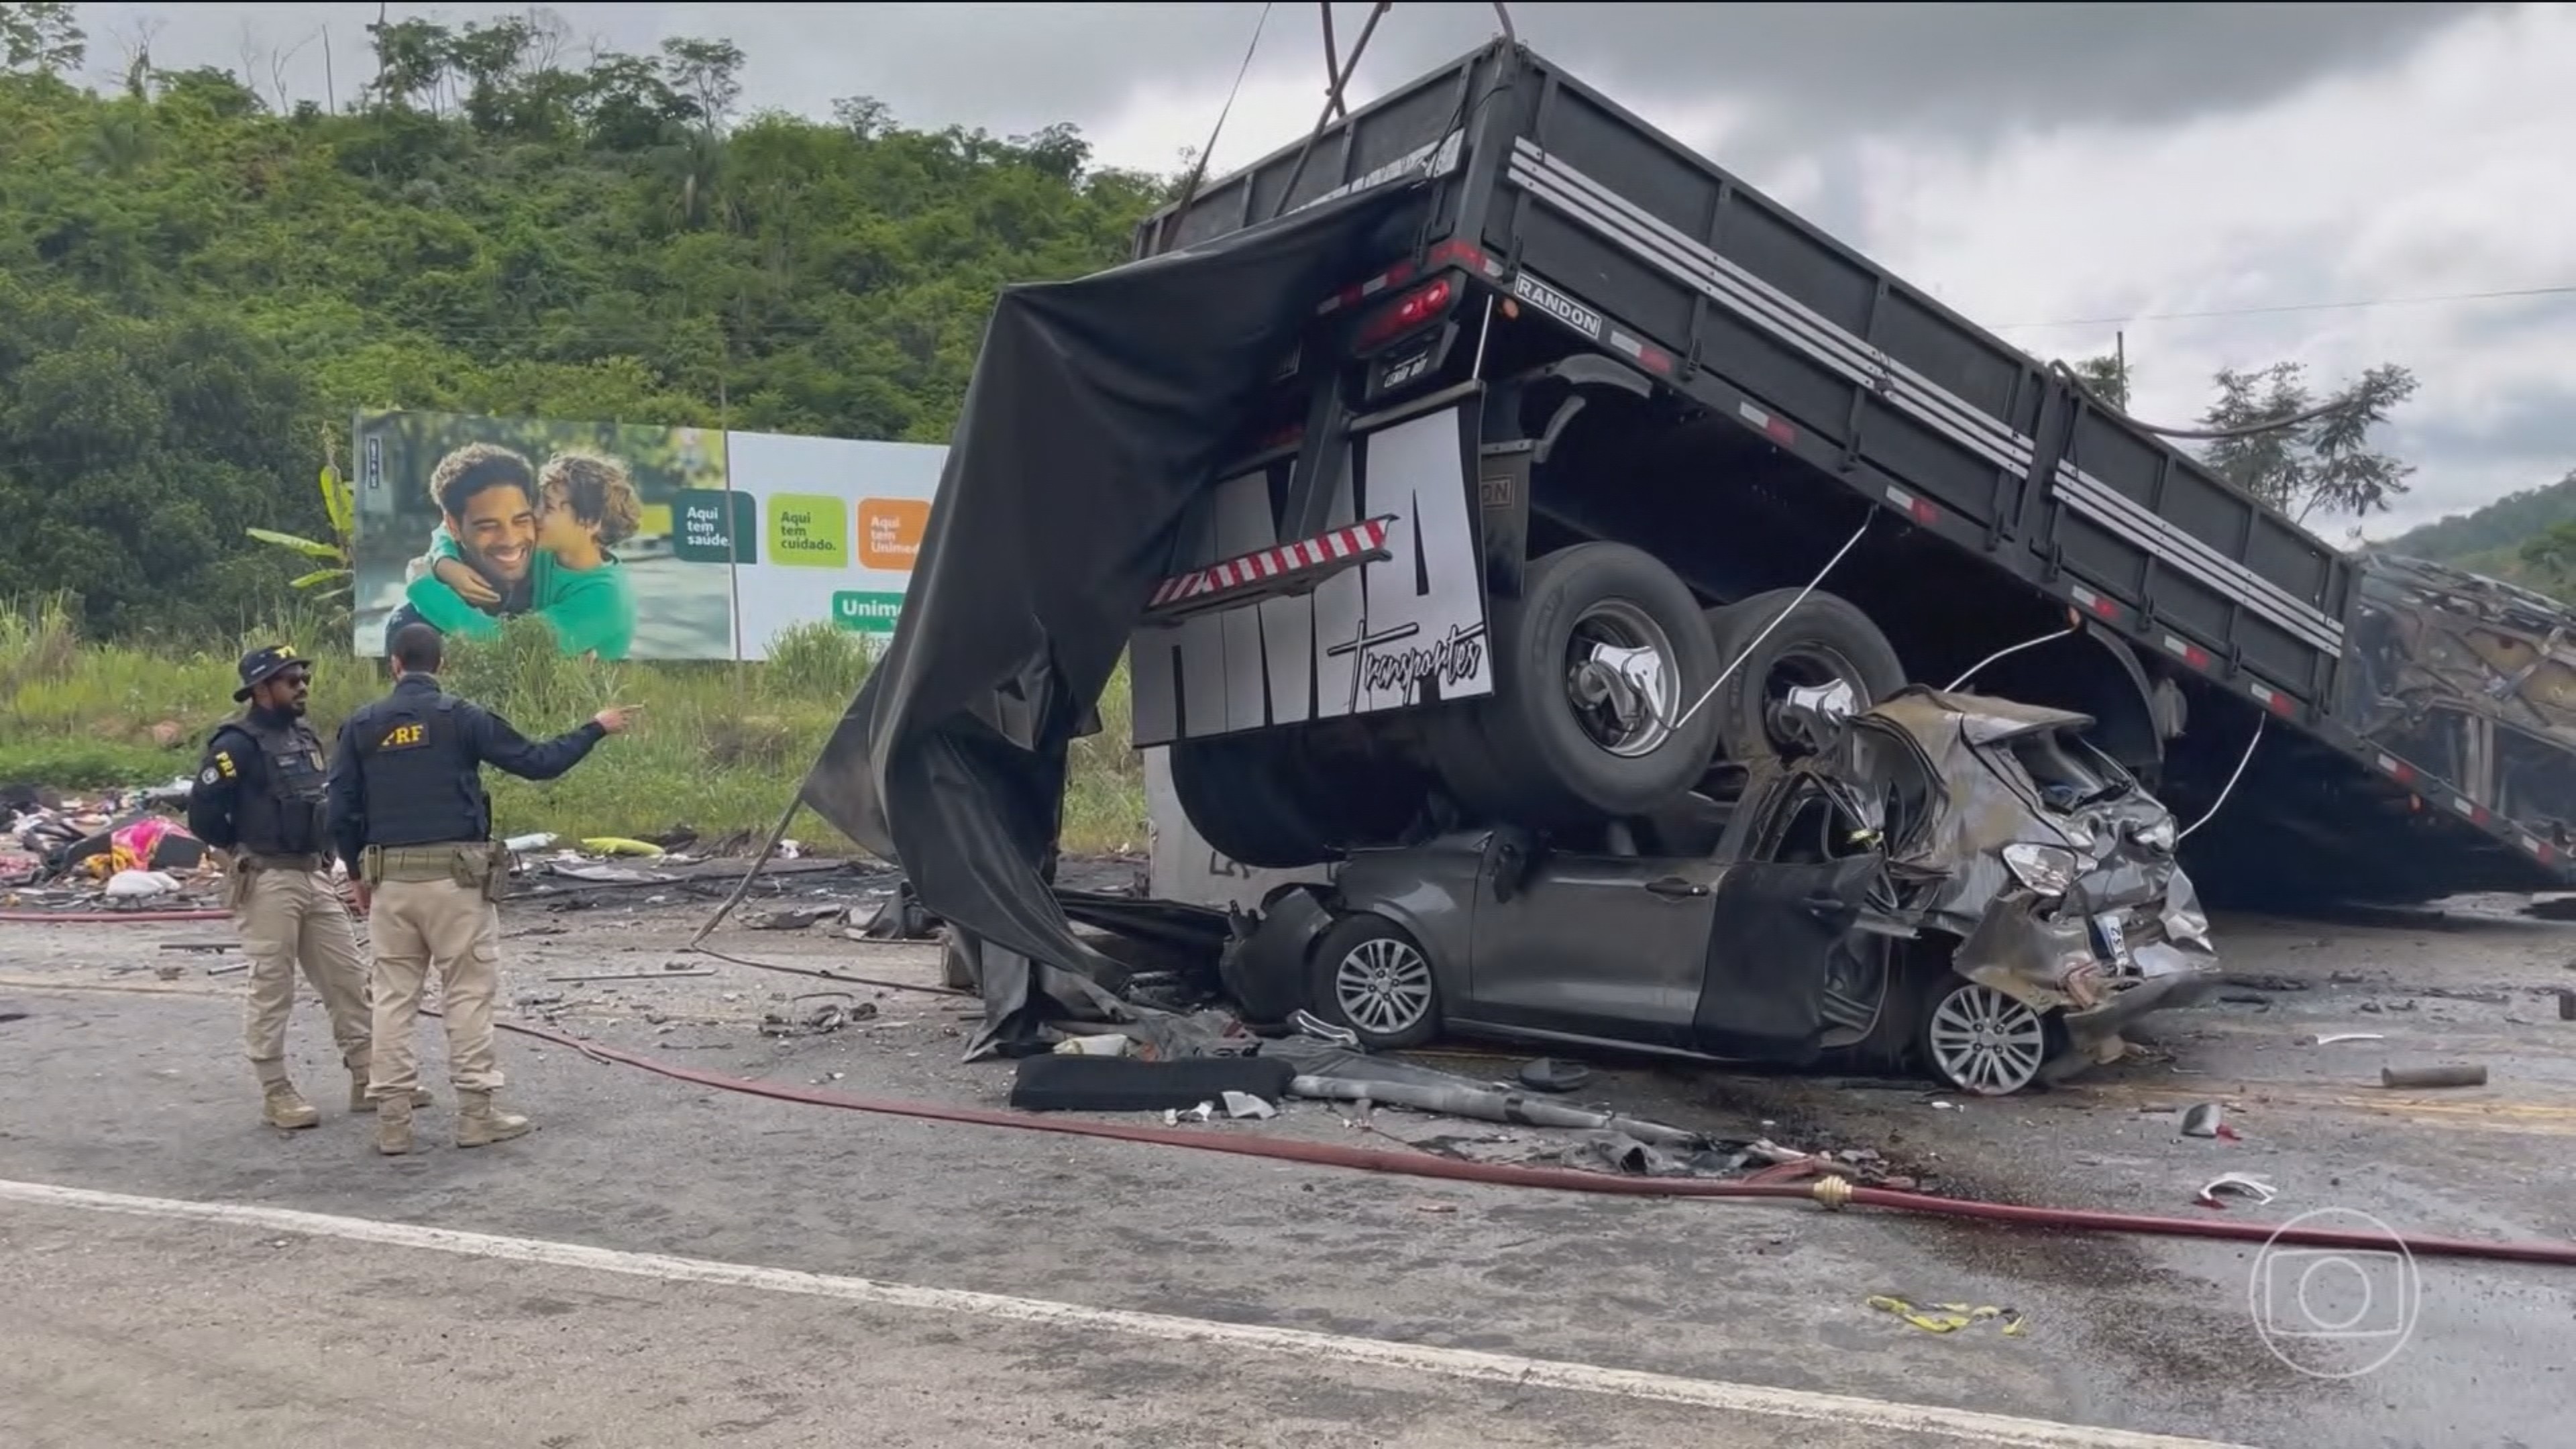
[1945,881]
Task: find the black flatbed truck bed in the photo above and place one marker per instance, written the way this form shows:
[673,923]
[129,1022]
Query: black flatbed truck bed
[1814,366]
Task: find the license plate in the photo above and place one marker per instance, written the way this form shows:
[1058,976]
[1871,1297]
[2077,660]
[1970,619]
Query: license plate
[2114,940]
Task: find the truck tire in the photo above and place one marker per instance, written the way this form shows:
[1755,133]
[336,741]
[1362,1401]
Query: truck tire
[1269,801]
[1537,752]
[1827,638]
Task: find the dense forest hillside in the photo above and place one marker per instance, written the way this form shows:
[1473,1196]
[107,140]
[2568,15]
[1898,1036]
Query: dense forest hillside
[2522,536]
[196,289]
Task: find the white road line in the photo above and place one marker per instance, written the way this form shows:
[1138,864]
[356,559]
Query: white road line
[1846,1410]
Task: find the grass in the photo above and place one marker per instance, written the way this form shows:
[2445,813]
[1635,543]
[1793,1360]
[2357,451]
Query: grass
[719,747]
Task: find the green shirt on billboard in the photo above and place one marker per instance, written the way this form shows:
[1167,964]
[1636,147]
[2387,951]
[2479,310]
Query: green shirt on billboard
[592,611]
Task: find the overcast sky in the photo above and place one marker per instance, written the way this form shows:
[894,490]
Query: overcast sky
[2031,164]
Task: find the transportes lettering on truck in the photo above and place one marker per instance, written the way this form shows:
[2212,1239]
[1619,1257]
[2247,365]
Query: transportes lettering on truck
[1405,629]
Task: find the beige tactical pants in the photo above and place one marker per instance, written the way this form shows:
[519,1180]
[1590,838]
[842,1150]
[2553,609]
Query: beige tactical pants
[446,928]
[286,917]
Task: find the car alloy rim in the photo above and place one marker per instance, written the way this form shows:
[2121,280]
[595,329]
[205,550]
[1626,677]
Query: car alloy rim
[1622,679]
[1986,1042]
[1383,986]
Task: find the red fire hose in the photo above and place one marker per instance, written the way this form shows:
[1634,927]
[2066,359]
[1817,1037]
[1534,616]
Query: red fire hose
[1833,1192]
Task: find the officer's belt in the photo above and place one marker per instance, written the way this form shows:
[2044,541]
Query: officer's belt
[248,860]
[467,862]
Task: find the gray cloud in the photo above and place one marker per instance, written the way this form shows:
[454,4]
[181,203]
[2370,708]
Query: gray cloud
[1810,70]
[2027,162]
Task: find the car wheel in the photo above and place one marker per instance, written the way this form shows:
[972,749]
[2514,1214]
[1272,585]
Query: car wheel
[1370,975]
[1594,664]
[1825,641]
[1980,1040]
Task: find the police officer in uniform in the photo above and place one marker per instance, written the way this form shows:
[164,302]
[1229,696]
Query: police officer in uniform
[409,816]
[258,797]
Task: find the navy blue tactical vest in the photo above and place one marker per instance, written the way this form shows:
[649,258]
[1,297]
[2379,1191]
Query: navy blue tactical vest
[286,816]
[422,784]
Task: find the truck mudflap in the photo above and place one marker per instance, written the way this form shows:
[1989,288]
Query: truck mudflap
[1058,497]
[1384,610]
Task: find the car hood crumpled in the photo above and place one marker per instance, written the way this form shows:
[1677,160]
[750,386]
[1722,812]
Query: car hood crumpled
[1947,847]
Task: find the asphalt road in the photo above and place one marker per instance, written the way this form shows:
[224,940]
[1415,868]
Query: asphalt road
[663,1263]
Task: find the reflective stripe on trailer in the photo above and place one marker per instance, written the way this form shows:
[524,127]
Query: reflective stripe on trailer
[1210,586]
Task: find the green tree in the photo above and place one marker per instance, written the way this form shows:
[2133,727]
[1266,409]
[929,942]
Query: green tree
[2109,377]
[2320,456]
[193,287]
[44,38]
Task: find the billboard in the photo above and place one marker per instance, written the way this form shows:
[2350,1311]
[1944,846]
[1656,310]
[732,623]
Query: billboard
[630,541]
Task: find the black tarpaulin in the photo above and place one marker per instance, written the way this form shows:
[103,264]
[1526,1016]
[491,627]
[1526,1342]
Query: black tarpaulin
[1097,409]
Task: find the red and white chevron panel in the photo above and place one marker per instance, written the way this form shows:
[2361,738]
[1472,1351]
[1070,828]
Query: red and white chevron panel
[1325,551]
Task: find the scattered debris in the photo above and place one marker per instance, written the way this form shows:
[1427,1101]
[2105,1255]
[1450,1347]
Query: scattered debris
[1548,1074]
[2261,981]
[199,945]
[1104,1044]
[2236,1184]
[818,1022]
[2202,1119]
[141,885]
[2330,1038]
[791,918]
[669,972]
[1322,1030]
[2464,1075]
[1245,1106]
[2566,1005]
[1950,1317]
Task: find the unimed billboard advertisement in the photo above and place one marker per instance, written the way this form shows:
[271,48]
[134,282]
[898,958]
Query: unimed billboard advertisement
[631,542]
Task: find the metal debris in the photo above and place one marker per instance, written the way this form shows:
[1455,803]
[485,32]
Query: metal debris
[2470,1074]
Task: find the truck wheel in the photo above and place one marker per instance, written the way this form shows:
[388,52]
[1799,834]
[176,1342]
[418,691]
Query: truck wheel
[1270,801]
[1595,661]
[1370,975]
[1828,638]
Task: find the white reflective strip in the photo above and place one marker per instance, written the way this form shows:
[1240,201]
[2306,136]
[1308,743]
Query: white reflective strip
[2193,554]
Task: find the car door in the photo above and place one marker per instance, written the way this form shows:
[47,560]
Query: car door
[1812,886]
[1595,945]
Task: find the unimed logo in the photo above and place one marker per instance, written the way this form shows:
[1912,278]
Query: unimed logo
[868,613]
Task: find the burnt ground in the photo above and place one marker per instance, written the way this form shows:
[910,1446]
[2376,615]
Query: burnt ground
[136,1329]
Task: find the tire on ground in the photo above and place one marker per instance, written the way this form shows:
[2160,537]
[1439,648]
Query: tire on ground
[1827,634]
[1523,754]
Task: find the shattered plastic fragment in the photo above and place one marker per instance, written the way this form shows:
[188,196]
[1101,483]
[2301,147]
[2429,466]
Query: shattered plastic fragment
[1948,1317]
[2236,1184]
[1241,1105]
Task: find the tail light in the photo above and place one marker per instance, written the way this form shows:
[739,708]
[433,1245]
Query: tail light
[1411,312]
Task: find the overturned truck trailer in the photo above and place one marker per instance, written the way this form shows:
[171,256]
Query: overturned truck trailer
[1492,458]
[1545,507]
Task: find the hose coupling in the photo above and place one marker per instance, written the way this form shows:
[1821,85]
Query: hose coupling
[1833,1192]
